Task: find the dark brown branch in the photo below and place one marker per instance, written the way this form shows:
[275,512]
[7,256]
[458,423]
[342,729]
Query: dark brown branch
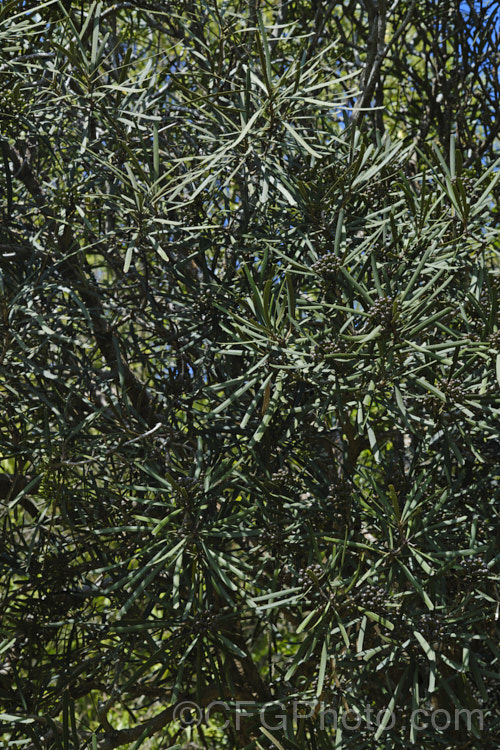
[377,52]
[71,266]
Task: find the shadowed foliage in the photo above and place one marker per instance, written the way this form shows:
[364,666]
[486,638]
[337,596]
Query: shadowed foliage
[249,374]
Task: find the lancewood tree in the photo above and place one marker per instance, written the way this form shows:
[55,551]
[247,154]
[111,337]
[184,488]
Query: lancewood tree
[249,370]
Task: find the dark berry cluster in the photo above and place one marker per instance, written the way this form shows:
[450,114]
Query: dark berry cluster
[339,501]
[474,337]
[346,606]
[401,631]
[189,527]
[469,185]
[203,623]
[331,348]
[381,311]
[204,304]
[328,349]
[431,627]
[327,266]
[374,192]
[412,648]
[273,536]
[473,569]
[307,575]
[372,598]
[483,529]
[385,253]
[283,478]
[276,357]
[319,518]
[493,692]
[339,516]
[494,339]
[285,577]
[339,490]
[455,390]
[484,299]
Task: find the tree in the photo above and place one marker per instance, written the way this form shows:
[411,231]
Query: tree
[249,370]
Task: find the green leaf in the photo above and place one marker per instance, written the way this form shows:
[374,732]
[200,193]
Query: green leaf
[416,585]
[389,711]
[128,258]
[302,143]
[290,295]
[322,669]
[271,737]
[395,502]
[264,46]
[305,622]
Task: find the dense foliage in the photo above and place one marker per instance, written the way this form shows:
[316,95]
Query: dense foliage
[249,370]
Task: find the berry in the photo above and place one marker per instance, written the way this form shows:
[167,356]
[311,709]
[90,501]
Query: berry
[494,339]
[273,536]
[381,311]
[346,606]
[454,390]
[384,253]
[307,575]
[328,349]
[373,192]
[469,185]
[431,627]
[372,598]
[473,569]
[327,267]
[204,306]
[203,622]
[492,704]
[283,478]
[402,630]
[339,498]
[334,347]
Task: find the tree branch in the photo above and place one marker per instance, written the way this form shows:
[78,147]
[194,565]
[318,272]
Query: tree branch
[67,245]
[377,52]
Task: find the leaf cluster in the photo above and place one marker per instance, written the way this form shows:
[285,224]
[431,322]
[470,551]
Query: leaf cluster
[249,369]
